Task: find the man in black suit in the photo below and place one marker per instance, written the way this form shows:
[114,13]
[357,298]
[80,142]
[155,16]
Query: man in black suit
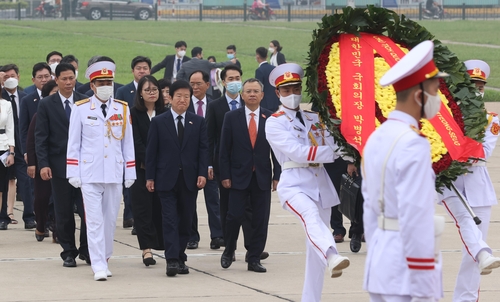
[141,66]
[271,100]
[51,137]
[172,63]
[200,82]
[11,93]
[245,170]
[176,168]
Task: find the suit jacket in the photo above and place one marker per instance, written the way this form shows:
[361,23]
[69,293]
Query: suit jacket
[165,156]
[280,58]
[30,89]
[127,94]
[238,158]
[191,106]
[270,100]
[29,106]
[140,126]
[17,148]
[168,64]
[51,133]
[215,117]
[30,143]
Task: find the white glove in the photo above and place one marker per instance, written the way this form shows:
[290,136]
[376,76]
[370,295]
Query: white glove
[75,182]
[417,299]
[129,183]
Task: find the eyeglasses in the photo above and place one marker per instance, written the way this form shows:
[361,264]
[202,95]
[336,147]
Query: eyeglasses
[196,84]
[151,91]
[42,77]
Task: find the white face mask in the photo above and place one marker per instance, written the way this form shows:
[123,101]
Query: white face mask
[432,106]
[104,92]
[480,94]
[11,83]
[292,101]
[181,53]
[76,74]
[271,50]
[53,67]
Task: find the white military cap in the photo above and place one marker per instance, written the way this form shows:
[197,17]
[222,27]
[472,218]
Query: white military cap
[101,70]
[286,74]
[414,68]
[478,70]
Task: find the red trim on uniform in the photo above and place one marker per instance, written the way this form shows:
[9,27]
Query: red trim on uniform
[305,227]
[420,267]
[427,71]
[420,260]
[314,153]
[131,164]
[72,162]
[310,152]
[458,227]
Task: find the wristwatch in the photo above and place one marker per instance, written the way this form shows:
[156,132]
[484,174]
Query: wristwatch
[12,153]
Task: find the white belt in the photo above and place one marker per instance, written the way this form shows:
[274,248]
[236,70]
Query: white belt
[388,224]
[292,164]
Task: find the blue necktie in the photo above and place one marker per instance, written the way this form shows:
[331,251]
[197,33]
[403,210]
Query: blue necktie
[67,108]
[233,105]
[178,64]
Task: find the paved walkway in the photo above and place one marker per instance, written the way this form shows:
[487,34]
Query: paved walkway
[33,271]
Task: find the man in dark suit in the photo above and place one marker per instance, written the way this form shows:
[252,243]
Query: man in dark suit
[172,63]
[51,137]
[200,82]
[245,170]
[141,66]
[11,93]
[176,168]
[271,100]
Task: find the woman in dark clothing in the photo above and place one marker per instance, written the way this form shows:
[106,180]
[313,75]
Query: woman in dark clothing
[277,58]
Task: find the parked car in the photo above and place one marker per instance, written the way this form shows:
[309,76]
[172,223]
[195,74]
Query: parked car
[96,9]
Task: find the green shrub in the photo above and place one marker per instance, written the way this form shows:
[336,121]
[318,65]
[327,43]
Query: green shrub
[10,5]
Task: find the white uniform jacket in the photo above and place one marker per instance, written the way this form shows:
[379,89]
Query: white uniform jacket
[7,124]
[98,150]
[290,141]
[477,186]
[400,262]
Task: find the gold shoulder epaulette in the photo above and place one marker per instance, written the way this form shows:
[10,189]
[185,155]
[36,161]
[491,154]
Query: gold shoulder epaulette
[417,131]
[80,102]
[310,111]
[279,113]
[121,102]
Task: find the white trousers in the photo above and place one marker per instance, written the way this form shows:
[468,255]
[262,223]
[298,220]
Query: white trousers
[473,237]
[389,298]
[319,242]
[101,203]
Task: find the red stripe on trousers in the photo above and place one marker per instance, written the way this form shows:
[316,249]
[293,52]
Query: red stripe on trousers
[458,227]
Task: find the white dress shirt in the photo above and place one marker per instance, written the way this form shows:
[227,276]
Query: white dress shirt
[256,117]
[63,99]
[203,106]
[237,99]
[175,115]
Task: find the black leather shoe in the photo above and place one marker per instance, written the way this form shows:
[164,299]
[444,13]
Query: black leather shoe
[84,257]
[355,243]
[263,256]
[69,262]
[3,225]
[128,223]
[46,233]
[226,260]
[192,245]
[29,225]
[221,242]
[339,238]
[256,267]
[172,267]
[183,269]
[39,237]
[215,243]
[134,231]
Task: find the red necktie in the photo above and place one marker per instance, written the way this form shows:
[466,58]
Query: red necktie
[200,108]
[252,129]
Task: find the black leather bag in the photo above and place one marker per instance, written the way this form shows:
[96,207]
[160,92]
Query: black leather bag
[351,199]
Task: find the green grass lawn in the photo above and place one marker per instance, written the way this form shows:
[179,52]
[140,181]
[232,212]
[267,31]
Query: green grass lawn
[27,42]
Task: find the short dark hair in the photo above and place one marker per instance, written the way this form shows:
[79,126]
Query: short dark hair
[277,44]
[212,57]
[231,47]
[47,88]
[180,84]
[103,59]
[229,67]
[139,100]
[254,80]
[69,59]
[204,75]
[140,59]
[164,83]
[64,67]
[53,53]
[196,51]
[40,66]
[8,67]
[262,52]
[180,43]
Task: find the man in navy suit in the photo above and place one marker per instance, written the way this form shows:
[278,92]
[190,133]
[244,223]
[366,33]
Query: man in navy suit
[245,170]
[200,82]
[141,66]
[176,168]
[11,93]
[172,63]
[271,100]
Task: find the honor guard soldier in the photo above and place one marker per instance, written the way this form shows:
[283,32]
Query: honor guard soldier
[100,156]
[301,144]
[477,189]
[403,262]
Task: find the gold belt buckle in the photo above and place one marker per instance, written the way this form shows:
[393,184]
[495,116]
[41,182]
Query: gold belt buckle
[314,165]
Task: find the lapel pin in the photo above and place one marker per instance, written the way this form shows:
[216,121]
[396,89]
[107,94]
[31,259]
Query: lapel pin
[190,122]
[92,107]
[263,116]
[131,91]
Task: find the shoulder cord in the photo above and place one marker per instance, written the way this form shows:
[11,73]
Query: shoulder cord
[124,126]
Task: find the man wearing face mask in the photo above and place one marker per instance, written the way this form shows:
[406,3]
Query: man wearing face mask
[403,263]
[85,88]
[100,156]
[231,54]
[301,145]
[477,188]
[172,63]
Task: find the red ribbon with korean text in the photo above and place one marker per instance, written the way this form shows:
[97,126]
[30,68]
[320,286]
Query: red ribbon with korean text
[356,90]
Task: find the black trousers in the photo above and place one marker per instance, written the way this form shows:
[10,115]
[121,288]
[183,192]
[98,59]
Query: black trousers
[260,203]
[146,208]
[212,203]
[65,197]
[43,190]
[177,210]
